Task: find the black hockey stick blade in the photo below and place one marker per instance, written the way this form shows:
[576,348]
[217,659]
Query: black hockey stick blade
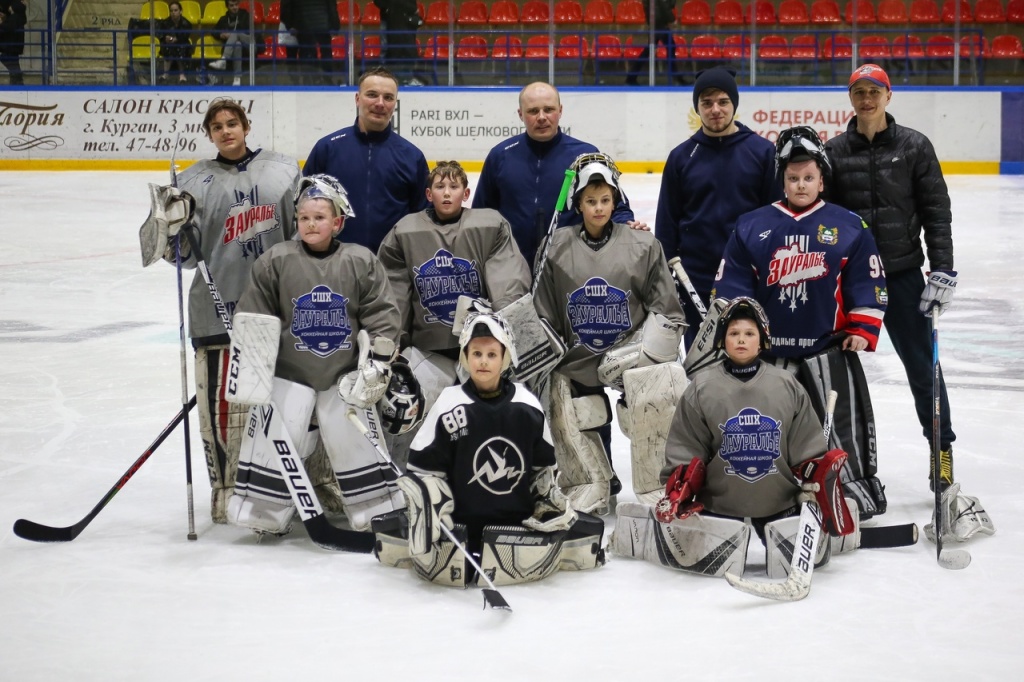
[323,534]
[37,532]
[494,599]
[882,537]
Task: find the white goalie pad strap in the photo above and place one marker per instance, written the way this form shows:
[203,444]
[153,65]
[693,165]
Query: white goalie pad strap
[779,539]
[585,470]
[253,357]
[702,352]
[465,306]
[963,517]
[656,341]
[538,347]
[847,543]
[651,396]
[170,210]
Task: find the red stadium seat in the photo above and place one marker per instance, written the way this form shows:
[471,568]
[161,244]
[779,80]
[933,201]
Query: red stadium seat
[1015,11]
[975,47]
[630,12]
[989,12]
[571,47]
[924,12]
[568,12]
[874,47]
[825,12]
[273,14]
[892,12]
[731,47]
[1007,47]
[507,47]
[472,13]
[504,12]
[472,47]
[438,47]
[940,47]
[695,13]
[534,12]
[765,13]
[728,13]
[599,12]
[773,46]
[661,52]
[864,10]
[631,51]
[371,14]
[339,47]
[705,47]
[793,12]
[537,47]
[907,46]
[438,13]
[607,47]
[840,48]
[949,12]
[343,12]
[371,47]
[804,47]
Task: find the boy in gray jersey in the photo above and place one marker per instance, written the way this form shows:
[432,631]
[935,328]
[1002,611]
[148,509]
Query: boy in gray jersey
[318,315]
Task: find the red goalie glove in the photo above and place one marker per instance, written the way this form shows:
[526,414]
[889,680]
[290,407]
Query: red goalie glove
[820,476]
[681,491]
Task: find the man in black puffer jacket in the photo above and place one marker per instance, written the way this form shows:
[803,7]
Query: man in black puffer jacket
[890,176]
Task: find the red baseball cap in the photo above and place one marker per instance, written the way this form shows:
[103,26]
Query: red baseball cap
[870,72]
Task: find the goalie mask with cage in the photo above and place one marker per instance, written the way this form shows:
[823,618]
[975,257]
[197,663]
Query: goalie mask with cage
[798,144]
[327,187]
[402,406]
[743,308]
[484,326]
[591,169]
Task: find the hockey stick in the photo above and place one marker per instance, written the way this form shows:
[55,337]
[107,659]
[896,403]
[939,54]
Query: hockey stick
[293,472]
[677,267]
[805,547]
[184,367]
[953,559]
[492,597]
[37,532]
[570,175]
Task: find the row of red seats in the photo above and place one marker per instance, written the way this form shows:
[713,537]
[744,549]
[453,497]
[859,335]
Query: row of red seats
[690,13]
[770,47]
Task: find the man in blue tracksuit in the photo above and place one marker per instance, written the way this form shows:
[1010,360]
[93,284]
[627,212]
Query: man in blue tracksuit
[384,174]
[723,171]
[522,175]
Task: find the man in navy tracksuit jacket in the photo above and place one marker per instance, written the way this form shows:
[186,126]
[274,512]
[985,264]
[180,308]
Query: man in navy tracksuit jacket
[523,175]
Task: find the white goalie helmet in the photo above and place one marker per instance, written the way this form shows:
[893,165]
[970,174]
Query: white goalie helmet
[487,325]
[592,168]
[323,186]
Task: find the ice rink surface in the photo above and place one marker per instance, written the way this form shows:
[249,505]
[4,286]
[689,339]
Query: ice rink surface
[90,375]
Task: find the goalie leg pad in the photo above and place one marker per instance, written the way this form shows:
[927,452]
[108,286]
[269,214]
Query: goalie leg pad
[655,342]
[367,484]
[444,564]
[652,395]
[538,348]
[253,357]
[392,533]
[964,517]
[262,501]
[513,554]
[220,426]
[779,543]
[585,471]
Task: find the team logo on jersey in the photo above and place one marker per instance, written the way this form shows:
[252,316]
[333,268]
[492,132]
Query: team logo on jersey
[750,445]
[440,281]
[320,322]
[792,266]
[498,466]
[829,236]
[882,295]
[599,314]
[248,221]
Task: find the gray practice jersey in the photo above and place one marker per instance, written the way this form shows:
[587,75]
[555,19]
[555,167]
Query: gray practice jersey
[241,211]
[594,299]
[430,265]
[322,303]
[750,434]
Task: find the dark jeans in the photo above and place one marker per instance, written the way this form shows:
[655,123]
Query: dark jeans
[639,67]
[13,64]
[910,332]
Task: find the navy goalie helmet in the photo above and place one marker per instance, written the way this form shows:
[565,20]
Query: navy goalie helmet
[743,308]
[800,143]
[401,408]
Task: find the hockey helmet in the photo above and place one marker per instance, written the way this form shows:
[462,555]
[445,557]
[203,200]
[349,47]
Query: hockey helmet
[324,186]
[799,143]
[743,308]
[401,408]
[487,325]
[594,168]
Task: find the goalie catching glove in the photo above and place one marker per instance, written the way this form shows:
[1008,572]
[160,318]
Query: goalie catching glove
[366,384]
[429,504]
[820,483]
[170,210]
[681,490]
[551,510]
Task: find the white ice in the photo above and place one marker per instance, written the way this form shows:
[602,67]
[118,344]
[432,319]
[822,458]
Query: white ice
[90,375]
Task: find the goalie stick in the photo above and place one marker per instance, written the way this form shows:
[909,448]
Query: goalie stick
[492,597]
[37,532]
[677,267]
[953,559]
[320,531]
[570,175]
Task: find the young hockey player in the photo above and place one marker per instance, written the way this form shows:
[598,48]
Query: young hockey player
[744,441]
[483,464]
[815,269]
[309,308]
[606,290]
[244,204]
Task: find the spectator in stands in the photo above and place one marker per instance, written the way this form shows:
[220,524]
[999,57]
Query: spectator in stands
[311,22]
[12,38]
[175,33]
[663,20]
[233,28]
[399,20]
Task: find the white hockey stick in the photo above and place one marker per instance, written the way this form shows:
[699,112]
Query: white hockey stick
[797,585]
[677,267]
[492,597]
